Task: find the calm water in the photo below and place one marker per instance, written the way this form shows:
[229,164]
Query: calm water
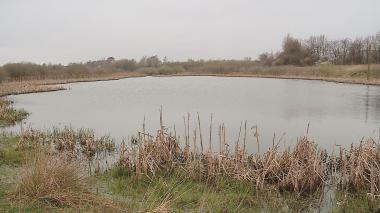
[338,113]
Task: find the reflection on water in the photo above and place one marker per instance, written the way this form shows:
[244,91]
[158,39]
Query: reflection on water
[338,113]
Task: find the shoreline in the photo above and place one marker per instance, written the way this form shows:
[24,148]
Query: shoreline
[32,92]
[54,85]
[241,75]
[92,79]
[330,80]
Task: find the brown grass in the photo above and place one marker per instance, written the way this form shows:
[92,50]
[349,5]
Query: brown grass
[302,170]
[57,181]
[360,167]
[80,143]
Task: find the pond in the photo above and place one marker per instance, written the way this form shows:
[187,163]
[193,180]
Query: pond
[338,113]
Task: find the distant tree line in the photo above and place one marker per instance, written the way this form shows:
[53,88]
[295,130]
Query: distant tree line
[149,65]
[298,52]
[319,49]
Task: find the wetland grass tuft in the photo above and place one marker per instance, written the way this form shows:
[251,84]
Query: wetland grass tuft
[81,143]
[56,181]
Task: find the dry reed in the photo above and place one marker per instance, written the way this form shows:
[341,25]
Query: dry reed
[82,142]
[302,170]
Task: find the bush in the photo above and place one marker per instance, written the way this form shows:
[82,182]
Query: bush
[20,71]
[166,70]
[148,70]
[3,75]
[125,64]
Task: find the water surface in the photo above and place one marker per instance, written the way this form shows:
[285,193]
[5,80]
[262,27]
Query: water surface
[337,113]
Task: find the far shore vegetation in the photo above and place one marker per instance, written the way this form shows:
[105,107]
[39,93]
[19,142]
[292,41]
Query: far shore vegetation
[316,58]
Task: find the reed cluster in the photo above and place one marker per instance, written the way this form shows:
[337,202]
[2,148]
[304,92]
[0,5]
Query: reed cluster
[82,142]
[10,115]
[302,169]
[359,167]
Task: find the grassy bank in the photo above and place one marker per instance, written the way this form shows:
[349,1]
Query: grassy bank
[353,74]
[175,191]
[52,84]
[15,88]
[168,192]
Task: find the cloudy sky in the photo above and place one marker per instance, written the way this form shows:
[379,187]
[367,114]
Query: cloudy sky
[79,30]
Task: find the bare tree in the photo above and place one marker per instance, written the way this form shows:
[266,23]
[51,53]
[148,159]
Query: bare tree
[335,50]
[356,49]
[368,45]
[377,47]
[345,43]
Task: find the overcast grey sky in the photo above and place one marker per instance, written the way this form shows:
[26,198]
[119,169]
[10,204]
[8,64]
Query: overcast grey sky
[80,30]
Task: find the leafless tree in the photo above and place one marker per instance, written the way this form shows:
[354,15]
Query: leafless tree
[377,47]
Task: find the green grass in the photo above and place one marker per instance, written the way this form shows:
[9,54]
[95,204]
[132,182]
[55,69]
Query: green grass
[10,160]
[7,206]
[180,193]
[356,202]
[8,153]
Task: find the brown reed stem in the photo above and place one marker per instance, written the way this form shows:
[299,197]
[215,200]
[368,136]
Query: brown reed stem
[200,133]
[245,137]
[210,149]
[256,134]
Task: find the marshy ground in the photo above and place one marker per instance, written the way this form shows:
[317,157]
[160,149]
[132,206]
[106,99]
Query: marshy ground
[55,170]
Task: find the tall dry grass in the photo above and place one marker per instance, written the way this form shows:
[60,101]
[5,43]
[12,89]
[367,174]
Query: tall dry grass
[57,181]
[359,167]
[81,142]
[301,170]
